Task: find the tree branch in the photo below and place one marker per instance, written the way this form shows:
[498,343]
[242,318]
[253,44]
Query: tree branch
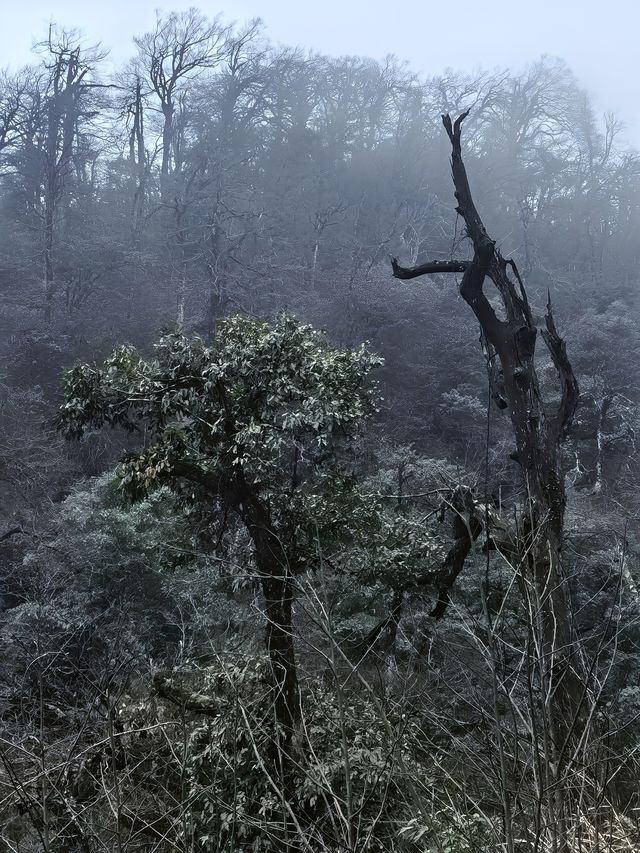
[569,384]
[429,268]
[467,526]
[391,619]
[9,533]
[466,208]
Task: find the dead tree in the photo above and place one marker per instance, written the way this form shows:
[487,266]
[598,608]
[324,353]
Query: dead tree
[539,427]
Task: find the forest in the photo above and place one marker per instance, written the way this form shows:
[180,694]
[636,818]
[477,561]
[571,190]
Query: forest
[318,458]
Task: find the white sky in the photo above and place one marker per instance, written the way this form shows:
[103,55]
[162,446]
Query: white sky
[599,39]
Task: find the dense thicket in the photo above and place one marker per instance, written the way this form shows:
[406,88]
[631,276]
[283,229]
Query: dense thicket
[217,175]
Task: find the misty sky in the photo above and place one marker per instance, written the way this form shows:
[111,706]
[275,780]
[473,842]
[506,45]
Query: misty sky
[597,38]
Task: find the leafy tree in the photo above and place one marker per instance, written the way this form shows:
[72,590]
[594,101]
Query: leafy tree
[246,423]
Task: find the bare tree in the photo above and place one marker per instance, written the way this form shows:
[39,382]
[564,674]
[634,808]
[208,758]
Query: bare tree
[182,45]
[539,427]
[15,94]
[64,105]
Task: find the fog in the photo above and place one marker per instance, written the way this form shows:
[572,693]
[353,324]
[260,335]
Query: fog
[596,40]
[319,428]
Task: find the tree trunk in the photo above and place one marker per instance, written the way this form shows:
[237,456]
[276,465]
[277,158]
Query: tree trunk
[48,259]
[218,296]
[167,140]
[277,587]
[466,527]
[137,159]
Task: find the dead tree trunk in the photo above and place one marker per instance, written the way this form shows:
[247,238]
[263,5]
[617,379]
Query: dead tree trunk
[539,428]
